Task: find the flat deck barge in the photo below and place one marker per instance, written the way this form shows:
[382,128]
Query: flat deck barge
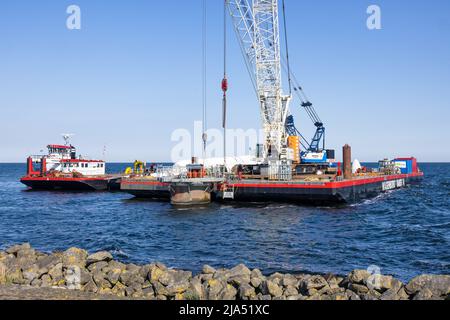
[299,191]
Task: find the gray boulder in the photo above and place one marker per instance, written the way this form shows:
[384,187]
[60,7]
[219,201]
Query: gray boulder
[264,297]
[57,275]
[214,288]
[90,287]
[270,287]
[97,266]
[358,288]
[15,249]
[289,280]
[395,294]
[33,272]
[439,286]
[359,276]
[100,280]
[382,283]
[240,271]
[195,290]
[130,278]
[119,289]
[276,278]
[99,256]
[239,280]
[228,293]
[425,295]
[310,284]
[160,290]
[256,282]
[113,276]
[177,288]
[114,265]
[208,270]
[290,291]
[74,257]
[26,254]
[171,277]
[148,293]
[371,295]
[246,292]
[48,262]
[144,271]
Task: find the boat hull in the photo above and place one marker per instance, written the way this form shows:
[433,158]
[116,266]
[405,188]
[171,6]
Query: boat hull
[146,189]
[298,192]
[68,184]
[344,192]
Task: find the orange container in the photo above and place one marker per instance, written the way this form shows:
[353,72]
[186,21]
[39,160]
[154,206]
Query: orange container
[294,144]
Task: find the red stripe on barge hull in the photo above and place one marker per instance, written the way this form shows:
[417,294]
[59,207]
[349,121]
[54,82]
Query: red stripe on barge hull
[327,185]
[147,183]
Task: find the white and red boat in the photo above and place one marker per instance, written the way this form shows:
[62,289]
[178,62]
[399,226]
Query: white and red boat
[61,169]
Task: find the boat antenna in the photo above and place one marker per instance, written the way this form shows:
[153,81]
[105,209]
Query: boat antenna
[66,137]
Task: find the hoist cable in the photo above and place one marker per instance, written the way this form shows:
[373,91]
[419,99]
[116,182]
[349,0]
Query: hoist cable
[204,75]
[287,47]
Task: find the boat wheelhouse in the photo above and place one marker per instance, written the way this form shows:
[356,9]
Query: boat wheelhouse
[57,153]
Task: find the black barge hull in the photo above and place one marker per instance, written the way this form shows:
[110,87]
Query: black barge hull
[71,184]
[344,192]
[146,189]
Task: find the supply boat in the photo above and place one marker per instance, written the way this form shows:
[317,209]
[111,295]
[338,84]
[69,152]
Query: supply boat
[61,169]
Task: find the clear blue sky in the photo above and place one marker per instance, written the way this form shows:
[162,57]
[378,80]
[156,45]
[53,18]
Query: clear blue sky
[133,74]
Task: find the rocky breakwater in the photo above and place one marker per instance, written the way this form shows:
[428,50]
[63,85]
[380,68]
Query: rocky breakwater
[98,275]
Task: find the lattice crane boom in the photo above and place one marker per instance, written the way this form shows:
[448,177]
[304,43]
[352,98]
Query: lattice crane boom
[256,23]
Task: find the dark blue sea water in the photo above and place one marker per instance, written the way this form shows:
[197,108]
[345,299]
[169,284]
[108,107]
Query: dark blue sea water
[405,232]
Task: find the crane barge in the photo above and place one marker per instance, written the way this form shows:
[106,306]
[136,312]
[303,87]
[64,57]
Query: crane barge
[289,168]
